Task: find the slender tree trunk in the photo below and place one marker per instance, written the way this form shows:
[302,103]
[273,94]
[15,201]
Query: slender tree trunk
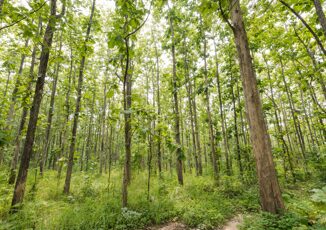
[295,119]
[210,121]
[176,108]
[190,104]
[270,193]
[14,160]
[29,141]
[280,137]
[89,133]
[321,15]
[158,99]
[15,90]
[50,114]
[67,114]
[236,135]
[320,44]
[78,104]
[127,86]
[198,146]
[223,123]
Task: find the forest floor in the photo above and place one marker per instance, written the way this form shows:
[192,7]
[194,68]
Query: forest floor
[232,224]
[199,204]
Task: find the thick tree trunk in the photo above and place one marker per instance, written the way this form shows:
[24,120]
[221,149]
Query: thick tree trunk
[78,104]
[29,141]
[270,193]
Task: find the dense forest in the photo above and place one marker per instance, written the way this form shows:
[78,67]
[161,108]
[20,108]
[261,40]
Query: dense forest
[162,114]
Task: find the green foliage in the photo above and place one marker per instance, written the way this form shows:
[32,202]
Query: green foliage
[270,221]
[319,195]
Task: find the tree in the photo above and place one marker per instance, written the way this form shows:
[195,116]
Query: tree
[78,101]
[270,193]
[34,112]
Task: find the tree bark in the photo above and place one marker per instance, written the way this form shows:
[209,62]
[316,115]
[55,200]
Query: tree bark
[176,108]
[34,112]
[321,15]
[78,104]
[50,114]
[270,193]
[210,121]
[14,160]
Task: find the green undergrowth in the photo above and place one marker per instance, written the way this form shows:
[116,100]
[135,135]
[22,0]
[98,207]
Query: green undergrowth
[305,209]
[200,203]
[92,204]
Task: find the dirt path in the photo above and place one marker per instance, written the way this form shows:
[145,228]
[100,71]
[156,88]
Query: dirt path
[233,223]
[230,225]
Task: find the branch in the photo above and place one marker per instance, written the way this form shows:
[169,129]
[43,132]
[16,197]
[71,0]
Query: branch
[224,15]
[23,18]
[306,25]
[141,25]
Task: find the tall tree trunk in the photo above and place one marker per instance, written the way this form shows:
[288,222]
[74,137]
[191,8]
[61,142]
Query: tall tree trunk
[190,104]
[280,137]
[78,104]
[50,114]
[14,160]
[66,115]
[210,121]
[158,99]
[223,123]
[29,141]
[127,84]
[198,146]
[236,135]
[176,108]
[270,193]
[296,122]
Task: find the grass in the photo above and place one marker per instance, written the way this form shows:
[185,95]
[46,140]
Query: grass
[93,204]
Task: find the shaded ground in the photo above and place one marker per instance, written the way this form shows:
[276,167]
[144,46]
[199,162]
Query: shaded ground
[230,225]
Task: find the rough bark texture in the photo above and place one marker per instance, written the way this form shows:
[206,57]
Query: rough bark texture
[78,104]
[29,142]
[270,193]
